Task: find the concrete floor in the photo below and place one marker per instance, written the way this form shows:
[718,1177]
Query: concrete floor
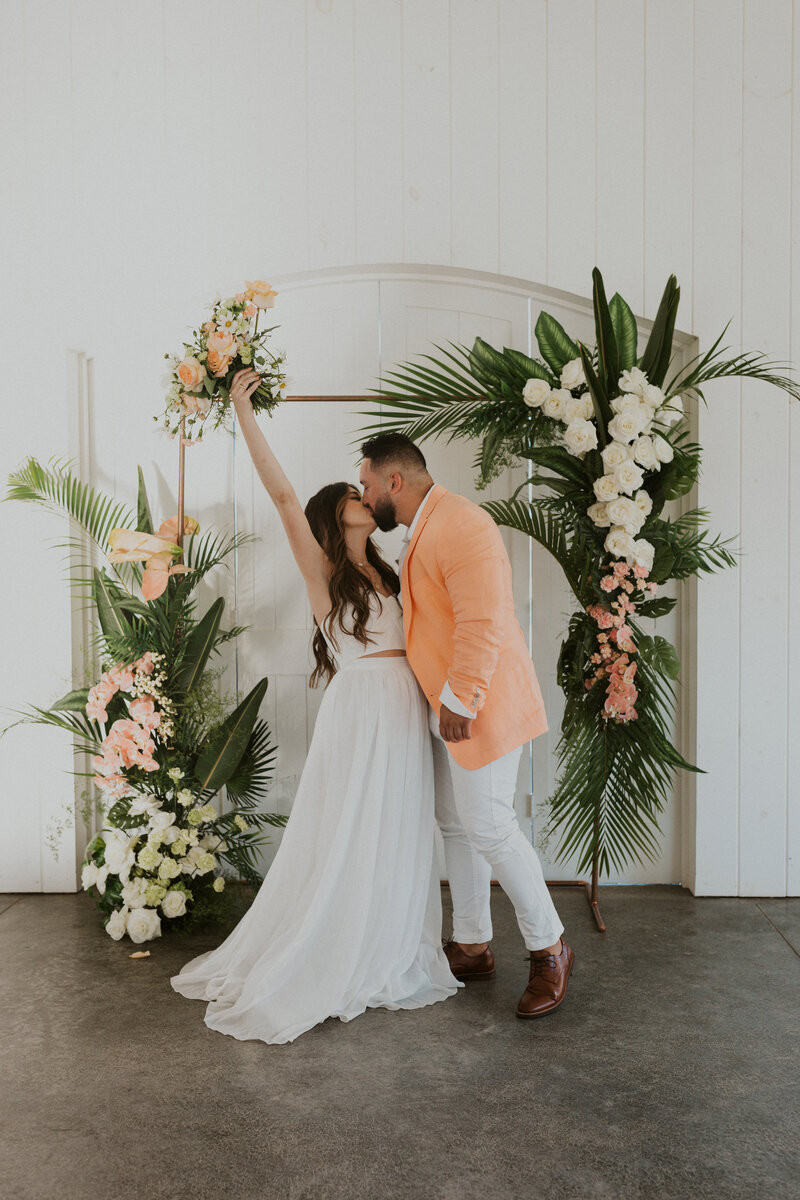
[670,1072]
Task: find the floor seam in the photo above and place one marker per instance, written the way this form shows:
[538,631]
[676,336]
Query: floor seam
[11,905]
[780,932]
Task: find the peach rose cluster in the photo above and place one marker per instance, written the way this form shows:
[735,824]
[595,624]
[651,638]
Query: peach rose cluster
[612,660]
[129,742]
[228,341]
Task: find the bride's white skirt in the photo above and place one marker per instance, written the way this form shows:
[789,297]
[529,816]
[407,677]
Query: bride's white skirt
[349,914]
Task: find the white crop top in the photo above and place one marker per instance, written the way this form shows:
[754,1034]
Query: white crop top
[384,629]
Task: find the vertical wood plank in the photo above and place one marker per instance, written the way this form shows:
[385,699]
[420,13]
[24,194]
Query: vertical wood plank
[331,133]
[522,138]
[474,134]
[765,463]
[571,144]
[621,149]
[716,298]
[379,130]
[793,705]
[426,131]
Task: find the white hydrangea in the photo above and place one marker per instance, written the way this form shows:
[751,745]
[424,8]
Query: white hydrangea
[535,392]
[580,436]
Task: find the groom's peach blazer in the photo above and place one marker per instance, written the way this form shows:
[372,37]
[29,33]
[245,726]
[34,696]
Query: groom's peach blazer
[458,611]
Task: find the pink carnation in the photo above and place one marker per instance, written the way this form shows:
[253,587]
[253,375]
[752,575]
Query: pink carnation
[604,619]
[608,583]
[621,569]
[652,588]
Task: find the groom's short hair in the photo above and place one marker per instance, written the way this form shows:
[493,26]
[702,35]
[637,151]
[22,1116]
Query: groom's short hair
[394,449]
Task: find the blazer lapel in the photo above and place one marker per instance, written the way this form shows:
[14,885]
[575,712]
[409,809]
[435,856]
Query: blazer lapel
[437,492]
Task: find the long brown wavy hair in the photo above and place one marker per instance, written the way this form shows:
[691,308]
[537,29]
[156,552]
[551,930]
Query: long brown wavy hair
[349,589]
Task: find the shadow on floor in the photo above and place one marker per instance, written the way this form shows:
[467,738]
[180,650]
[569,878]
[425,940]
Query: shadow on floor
[670,1072]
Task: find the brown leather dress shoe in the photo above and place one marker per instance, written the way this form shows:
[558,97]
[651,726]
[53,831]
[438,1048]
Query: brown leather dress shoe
[548,981]
[469,966]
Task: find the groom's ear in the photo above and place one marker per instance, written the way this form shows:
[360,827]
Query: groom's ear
[395,481]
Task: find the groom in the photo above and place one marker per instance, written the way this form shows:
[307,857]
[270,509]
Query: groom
[468,652]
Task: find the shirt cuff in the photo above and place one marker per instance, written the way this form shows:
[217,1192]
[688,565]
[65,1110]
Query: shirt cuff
[449,698]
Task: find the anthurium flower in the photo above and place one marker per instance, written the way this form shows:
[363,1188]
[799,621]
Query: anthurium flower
[129,545]
[155,550]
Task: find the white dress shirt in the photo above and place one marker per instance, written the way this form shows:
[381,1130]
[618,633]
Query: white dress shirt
[447,696]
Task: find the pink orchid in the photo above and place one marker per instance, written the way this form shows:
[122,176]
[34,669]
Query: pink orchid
[143,711]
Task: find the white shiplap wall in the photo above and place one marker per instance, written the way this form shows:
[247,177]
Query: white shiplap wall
[153,153]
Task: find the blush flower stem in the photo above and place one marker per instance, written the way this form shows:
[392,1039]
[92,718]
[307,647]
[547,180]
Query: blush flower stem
[181,477]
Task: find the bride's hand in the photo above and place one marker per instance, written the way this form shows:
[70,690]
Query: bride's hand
[245,383]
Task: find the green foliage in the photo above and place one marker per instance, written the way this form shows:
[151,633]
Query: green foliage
[226,744]
[614,776]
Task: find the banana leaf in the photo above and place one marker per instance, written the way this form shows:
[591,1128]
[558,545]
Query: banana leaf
[199,645]
[226,745]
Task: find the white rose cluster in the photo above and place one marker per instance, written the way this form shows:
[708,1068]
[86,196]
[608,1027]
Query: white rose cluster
[576,413]
[623,505]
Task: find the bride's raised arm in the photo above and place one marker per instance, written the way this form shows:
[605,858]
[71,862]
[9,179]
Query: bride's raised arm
[309,555]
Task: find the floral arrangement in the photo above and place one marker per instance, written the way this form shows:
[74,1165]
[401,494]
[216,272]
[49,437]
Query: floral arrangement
[198,383]
[160,743]
[606,435]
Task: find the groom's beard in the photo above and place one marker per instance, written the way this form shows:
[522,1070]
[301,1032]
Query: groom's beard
[385,514]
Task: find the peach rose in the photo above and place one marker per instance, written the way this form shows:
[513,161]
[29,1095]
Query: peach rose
[223,343]
[260,292]
[218,363]
[191,374]
[250,311]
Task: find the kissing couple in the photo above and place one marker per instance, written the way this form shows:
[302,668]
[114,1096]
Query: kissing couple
[424,718]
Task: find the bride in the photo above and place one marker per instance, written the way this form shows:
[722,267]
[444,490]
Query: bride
[349,914]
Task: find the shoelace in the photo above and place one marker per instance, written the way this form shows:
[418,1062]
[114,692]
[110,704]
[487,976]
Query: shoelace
[541,960]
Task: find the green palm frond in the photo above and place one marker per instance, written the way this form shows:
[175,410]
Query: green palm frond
[249,782]
[539,521]
[704,368]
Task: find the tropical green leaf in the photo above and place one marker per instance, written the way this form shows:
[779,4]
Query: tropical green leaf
[625,330]
[657,353]
[529,368]
[74,701]
[144,519]
[112,620]
[659,654]
[199,645]
[555,346]
[226,745]
[602,408]
[607,352]
[249,781]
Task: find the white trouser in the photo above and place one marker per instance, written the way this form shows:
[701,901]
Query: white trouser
[482,837]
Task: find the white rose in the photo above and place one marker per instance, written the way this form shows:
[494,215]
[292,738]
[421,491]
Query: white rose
[100,882]
[572,375]
[614,454]
[642,554]
[161,819]
[89,876]
[553,406]
[174,903]
[119,854]
[626,400]
[625,512]
[628,424]
[580,436]
[116,924]
[578,406]
[618,543]
[652,395]
[664,451]
[211,841]
[599,514]
[672,411]
[134,891]
[644,453]
[644,501]
[605,488]
[632,381]
[628,477]
[143,924]
[535,392]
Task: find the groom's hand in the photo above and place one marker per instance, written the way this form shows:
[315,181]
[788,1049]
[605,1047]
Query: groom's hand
[453,727]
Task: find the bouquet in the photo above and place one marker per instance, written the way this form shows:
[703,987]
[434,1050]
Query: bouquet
[198,384]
